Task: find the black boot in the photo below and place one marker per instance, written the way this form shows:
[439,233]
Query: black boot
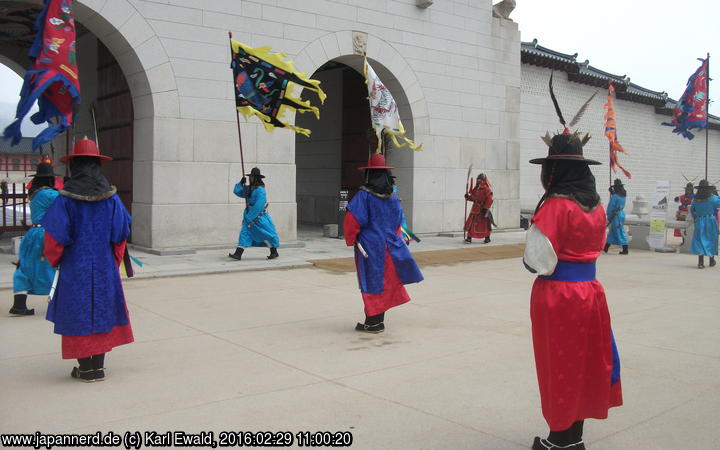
[273,253]
[373,324]
[712,261]
[238,253]
[607,247]
[487,240]
[468,240]
[624,250]
[20,306]
[84,372]
[98,365]
[701,262]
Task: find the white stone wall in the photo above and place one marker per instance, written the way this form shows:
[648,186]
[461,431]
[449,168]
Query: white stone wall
[655,153]
[458,68]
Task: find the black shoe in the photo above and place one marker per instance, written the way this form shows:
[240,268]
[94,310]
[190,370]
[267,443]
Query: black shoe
[624,250]
[607,246]
[19,307]
[544,444]
[487,240]
[99,374]
[238,253]
[468,240]
[273,253]
[374,329]
[21,312]
[86,376]
[712,262]
[701,266]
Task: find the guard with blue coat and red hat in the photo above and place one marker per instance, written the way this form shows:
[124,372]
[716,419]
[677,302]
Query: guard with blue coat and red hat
[384,264]
[86,230]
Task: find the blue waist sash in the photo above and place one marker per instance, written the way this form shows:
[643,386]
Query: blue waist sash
[572,271]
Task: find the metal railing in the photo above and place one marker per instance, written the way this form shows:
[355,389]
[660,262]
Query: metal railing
[15,207]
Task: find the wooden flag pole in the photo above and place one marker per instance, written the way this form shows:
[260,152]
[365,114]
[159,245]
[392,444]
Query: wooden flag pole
[237,116]
[707,107]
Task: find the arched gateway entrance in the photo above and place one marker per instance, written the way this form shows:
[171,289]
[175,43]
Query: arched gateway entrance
[327,162]
[114,79]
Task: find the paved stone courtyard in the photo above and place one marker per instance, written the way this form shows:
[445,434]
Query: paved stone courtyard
[275,350]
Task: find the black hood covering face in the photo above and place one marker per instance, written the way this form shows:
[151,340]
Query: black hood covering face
[40,182]
[379,181]
[571,178]
[86,177]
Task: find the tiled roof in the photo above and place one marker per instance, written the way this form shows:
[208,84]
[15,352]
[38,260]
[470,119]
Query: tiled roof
[23,148]
[583,72]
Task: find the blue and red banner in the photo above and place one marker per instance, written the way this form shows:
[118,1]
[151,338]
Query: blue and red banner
[52,81]
[691,111]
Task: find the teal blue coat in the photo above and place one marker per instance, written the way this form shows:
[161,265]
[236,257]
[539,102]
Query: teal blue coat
[258,229]
[705,235]
[616,217]
[34,274]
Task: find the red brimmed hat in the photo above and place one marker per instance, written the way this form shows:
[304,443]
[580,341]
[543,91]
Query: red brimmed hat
[376,161]
[85,147]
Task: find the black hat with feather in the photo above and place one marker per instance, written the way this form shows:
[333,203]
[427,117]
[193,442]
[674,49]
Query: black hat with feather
[567,145]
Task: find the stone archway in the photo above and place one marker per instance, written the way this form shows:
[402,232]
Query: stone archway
[344,49]
[146,67]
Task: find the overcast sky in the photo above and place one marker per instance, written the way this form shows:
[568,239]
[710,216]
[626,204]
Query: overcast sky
[10,85]
[654,42]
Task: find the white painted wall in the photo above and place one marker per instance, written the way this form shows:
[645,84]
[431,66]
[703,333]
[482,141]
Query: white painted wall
[655,153]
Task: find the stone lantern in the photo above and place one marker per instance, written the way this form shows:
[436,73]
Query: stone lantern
[640,206]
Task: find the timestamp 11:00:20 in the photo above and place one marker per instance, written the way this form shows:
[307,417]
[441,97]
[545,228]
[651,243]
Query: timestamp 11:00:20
[285,439]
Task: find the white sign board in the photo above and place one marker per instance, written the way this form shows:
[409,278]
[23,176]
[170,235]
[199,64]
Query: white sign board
[658,214]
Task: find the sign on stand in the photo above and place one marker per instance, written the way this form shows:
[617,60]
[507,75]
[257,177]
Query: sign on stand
[658,215]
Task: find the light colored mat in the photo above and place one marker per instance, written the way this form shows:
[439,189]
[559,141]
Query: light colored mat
[434,257]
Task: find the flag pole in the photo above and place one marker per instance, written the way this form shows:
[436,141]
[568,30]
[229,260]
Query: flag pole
[237,116]
[707,111]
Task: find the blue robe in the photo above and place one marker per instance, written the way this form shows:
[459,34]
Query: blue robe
[379,220]
[705,235]
[89,298]
[35,274]
[257,226]
[616,216]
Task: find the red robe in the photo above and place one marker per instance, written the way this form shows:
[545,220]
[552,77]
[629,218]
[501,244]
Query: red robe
[477,225]
[571,322]
[394,293]
[77,347]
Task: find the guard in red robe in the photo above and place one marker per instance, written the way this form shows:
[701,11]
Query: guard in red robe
[685,201]
[479,222]
[578,367]
[384,264]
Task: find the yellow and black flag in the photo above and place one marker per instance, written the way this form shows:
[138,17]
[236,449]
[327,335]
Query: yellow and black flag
[264,83]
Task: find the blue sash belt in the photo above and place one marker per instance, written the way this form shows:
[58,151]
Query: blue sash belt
[572,271]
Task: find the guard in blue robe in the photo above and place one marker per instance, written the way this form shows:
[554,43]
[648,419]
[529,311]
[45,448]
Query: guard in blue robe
[705,234]
[616,218]
[258,229]
[34,275]
[384,264]
[86,230]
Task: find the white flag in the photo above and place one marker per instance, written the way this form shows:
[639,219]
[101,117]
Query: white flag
[384,113]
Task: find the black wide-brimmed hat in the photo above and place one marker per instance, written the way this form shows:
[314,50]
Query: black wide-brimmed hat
[568,147]
[618,182]
[255,172]
[703,184]
[45,170]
